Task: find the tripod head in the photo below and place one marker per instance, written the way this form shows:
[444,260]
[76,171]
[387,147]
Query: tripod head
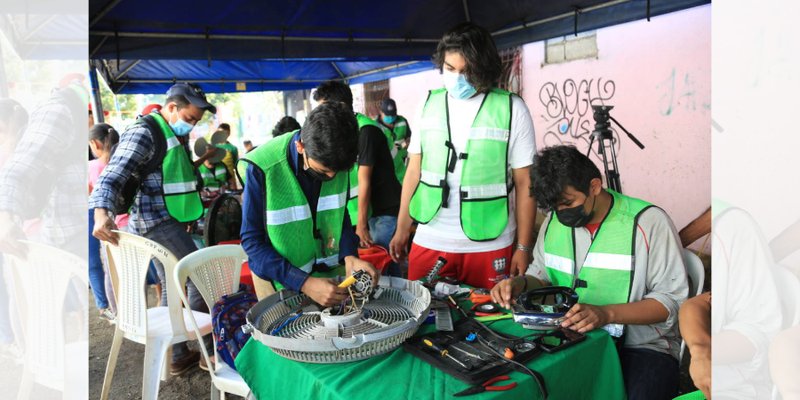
[602,125]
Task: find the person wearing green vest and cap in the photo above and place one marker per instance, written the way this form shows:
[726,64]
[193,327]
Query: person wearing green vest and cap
[398,134]
[475,145]
[167,197]
[295,227]
[622,256]
[374,197]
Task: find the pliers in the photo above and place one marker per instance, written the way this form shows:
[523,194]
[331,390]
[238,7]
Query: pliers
[487,386]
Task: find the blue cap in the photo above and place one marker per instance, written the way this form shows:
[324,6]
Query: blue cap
[194,94]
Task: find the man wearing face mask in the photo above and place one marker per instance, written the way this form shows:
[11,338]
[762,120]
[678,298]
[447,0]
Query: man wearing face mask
[623,257]
[475,146]
[398,134]
[300,180]
[167,197]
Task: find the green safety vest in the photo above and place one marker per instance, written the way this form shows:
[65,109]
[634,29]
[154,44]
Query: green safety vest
[294,235]
[484,178]
[395,137]
[216,178]
[178,180]
[352,197]
[609,266]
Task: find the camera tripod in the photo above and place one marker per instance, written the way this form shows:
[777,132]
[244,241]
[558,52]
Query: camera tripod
[602,132]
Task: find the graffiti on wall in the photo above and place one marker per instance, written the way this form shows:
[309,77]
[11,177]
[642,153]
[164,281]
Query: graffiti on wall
[568,116]
[679,91]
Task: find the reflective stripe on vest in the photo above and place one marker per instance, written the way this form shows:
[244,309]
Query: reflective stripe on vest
[608,267]
[484,178]
[288,217]
[178,179]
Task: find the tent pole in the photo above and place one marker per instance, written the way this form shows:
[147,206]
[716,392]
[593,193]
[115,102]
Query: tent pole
[97,106]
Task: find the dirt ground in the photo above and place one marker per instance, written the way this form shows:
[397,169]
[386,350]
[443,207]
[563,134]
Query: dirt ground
[127,382]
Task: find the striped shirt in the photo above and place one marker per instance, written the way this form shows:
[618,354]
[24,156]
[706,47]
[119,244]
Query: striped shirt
[135,149]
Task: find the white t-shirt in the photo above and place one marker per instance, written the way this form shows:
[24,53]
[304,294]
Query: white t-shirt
[443,232]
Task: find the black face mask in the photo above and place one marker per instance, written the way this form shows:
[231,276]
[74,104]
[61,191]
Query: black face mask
[575,217]
[314,174]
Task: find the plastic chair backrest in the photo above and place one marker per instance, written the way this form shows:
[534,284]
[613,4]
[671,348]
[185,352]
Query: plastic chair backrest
[128,264]
[214,270]
[788,287]
[696,272]
[42,285]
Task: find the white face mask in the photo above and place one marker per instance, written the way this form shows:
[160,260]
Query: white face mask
[457,85]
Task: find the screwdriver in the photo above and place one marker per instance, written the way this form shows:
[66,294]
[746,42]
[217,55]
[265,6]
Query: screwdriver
[442,352]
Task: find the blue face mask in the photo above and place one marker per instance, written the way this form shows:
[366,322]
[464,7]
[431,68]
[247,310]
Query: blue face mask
[389,119]
[181,127]
[457,85]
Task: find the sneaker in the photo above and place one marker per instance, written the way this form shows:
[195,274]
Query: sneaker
[183,364]
[107,315]
[202,364]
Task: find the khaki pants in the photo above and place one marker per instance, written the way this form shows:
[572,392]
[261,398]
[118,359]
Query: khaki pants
[263,287]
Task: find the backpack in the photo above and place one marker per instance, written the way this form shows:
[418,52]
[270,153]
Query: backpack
[227,319]
[132,185]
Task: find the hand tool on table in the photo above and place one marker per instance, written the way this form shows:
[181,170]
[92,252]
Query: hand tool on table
[443,352]
[488,386]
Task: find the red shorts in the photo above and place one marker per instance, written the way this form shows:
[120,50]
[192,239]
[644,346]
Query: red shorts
[475,269]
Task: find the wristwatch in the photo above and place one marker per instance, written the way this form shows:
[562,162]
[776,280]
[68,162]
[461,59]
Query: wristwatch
[526,249]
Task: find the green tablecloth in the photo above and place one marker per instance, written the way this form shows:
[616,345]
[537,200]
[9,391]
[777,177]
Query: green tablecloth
[588,370]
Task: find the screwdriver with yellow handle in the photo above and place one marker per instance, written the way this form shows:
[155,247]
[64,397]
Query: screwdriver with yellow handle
[442,352]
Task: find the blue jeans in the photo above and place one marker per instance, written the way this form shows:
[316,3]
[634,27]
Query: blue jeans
[6,331]
[172,235]
[96,273]
[649,375]
[382,228]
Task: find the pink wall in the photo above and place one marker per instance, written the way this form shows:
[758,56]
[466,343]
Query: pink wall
[656,74]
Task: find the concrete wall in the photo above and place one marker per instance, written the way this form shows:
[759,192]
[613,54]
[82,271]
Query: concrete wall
[656,74]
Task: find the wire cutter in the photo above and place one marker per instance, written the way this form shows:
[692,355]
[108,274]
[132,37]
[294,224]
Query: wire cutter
[487,386]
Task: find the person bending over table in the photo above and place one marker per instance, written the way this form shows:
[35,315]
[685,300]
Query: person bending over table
[295,223]
[622,255]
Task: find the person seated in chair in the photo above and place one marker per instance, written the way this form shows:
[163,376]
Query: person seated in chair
[623,257]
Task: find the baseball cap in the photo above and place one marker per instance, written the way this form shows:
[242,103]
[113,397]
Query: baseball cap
[389,107]
[194,94]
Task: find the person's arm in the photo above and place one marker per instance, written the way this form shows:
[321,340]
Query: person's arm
[135,149]
[695,326]
[526,216]
[666,283]
[696,229]
[264,260]
[399,244]
[364,198]
[366,161]
[505,292]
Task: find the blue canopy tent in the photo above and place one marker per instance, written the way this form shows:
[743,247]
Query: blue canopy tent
[250,45]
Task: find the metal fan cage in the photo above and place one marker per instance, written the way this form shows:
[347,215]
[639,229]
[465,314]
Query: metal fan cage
[316,336]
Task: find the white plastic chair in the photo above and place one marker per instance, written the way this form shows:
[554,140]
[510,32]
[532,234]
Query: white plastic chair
[158,327]
[696,272]
[42,284]
[697,276]
[215,271]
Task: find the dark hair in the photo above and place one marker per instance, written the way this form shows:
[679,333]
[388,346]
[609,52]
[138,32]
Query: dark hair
[285,125]
[557,167]
[13,113]
[246,142]
[330,136]
[105,134]
[225,126]
[476,45]
[334,91]
[180,100]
